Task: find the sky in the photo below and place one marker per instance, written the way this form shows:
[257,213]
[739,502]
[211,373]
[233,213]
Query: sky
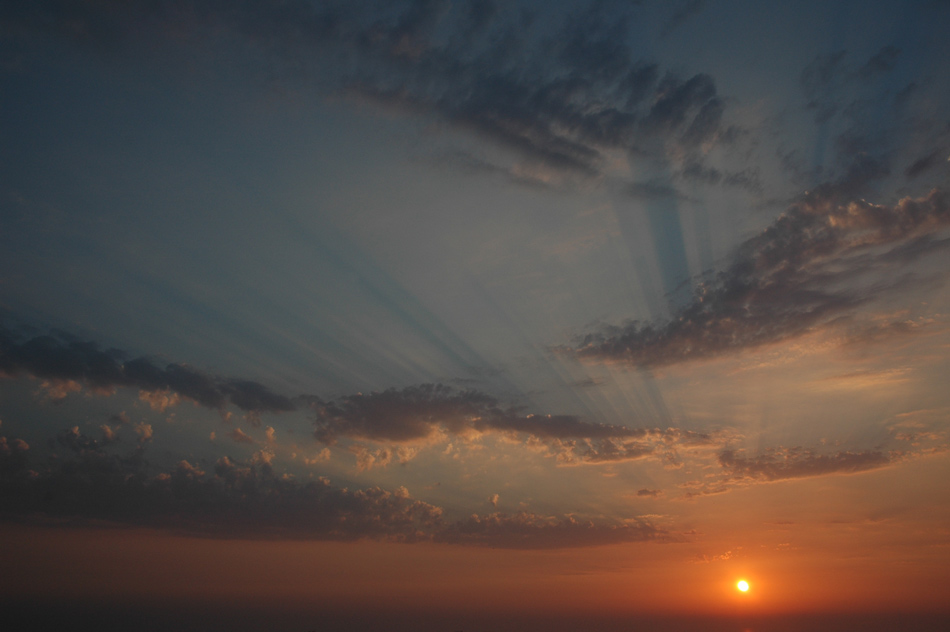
[469,314]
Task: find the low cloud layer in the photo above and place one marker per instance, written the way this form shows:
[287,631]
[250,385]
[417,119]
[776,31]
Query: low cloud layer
[249,499]
[803,273]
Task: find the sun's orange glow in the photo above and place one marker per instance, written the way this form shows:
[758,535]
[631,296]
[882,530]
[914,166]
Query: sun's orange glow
[742,585]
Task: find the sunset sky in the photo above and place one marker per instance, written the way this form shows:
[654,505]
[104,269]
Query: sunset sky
[471,314]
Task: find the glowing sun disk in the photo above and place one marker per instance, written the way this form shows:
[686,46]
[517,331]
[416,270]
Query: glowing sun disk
[742,585]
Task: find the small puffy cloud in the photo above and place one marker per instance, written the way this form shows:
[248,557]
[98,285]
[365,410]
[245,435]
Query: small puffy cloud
[648,493]
[239,436]
[58,390]
[269,434]
[144,431]
[159,400]
[367,459]
[109,435]
[76,441]
[321,456]
[493,500]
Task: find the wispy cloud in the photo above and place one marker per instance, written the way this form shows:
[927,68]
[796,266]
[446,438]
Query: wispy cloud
[562,99]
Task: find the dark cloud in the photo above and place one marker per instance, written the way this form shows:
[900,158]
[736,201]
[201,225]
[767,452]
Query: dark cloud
[785,463]
[651,493]
[883,61]
[418,412]
[61,357]
[684,11]
[558,91]
[798,275]
[924,164]
[249,499]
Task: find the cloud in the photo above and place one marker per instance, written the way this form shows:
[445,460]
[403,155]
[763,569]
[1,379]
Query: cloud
[533,531]
[787,463]
[239,436]
[249,499]
[420,412]
[64,363]
[429,412]
[367,459]
[924,164]
[799,275]
[560,91]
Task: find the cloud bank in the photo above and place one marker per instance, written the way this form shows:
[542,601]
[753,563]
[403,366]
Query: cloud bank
[801,274]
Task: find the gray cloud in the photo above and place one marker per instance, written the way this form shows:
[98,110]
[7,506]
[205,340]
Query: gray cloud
[249,499]
[924,164]
[798,275]
[786,463]
[558,91]
[61,357]
[417,412]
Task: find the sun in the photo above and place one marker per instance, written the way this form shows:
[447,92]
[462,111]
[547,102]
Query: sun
[742,585]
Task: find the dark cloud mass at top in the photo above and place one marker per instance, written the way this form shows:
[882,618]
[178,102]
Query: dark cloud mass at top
[796,276]
[559,98]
